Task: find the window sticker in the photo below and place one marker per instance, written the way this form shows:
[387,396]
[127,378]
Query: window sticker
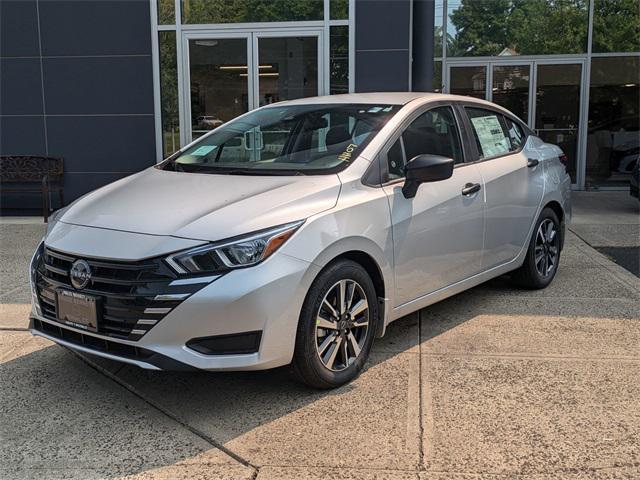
[203,150]
[346,155]
[490,135]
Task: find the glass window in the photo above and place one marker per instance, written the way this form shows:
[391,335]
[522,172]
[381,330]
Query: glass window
[437,76]
[395,160]
[516,27]
[511,89]
[244,11]
[291,68]
[558,108]
[438,32]
[516,135]
[488,130]
[339,60]
[166,12]
[470,81]
[613,134]
[338,9]
[219,83]
[434,132]
[286,140]
[169,93]
[616,26]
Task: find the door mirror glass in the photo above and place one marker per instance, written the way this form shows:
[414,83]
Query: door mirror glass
[426,168]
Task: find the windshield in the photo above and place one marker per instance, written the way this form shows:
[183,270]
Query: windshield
[286,140]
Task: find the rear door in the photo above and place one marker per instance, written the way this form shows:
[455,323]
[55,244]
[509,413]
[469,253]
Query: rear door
[437,235]
[513,181]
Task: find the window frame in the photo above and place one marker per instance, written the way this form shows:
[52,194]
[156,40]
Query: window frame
[382,159]
[463,106]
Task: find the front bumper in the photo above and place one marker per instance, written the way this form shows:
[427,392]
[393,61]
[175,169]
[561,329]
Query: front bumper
[265,298]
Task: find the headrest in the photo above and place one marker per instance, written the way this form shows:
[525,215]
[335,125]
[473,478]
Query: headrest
[336,135]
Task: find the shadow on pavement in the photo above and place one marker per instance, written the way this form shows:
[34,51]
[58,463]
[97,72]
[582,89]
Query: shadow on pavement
[57,412]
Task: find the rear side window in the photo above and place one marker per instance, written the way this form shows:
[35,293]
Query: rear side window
[516,134]
[489,132]
[434,132]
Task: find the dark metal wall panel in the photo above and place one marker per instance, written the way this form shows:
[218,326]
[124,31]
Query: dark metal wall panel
[383,33]
[116,144]
[18,28]
[382,71]
[422,52]
[77,82]
[20,86]
[98,85]
[22,135]
[95,27]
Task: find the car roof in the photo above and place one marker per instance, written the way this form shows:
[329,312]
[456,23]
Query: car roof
[396,98]
[388,98]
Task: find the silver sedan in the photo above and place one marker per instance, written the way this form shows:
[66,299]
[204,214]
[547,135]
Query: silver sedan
[297,232]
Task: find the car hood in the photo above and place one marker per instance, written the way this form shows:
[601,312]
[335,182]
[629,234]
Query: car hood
[202,206]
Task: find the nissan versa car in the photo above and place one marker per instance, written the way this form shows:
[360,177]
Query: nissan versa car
[294,234]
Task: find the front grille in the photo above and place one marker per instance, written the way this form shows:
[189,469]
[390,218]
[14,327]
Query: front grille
[94,343]
[133,296]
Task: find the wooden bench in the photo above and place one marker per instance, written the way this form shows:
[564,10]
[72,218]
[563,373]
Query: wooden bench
[33,174]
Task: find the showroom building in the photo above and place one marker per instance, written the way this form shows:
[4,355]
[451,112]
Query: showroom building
[114,86]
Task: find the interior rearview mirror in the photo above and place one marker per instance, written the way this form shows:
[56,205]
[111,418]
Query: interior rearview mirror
[425,168]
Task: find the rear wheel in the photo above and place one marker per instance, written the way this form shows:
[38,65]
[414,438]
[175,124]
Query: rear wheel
[541,263]
[337,326]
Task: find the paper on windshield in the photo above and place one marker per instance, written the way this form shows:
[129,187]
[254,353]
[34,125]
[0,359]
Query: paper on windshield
[203,150]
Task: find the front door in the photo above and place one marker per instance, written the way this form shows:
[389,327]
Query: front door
[228,74]
[437,235]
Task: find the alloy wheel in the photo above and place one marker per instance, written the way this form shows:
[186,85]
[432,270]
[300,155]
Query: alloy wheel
[342,323]
[546,248]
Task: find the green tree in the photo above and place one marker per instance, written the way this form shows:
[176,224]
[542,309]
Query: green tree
[238,11]
[616,26]
[543,27]
[528,27]
[481,26]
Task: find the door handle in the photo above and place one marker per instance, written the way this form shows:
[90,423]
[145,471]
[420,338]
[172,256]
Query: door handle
[532,162]
[471,188]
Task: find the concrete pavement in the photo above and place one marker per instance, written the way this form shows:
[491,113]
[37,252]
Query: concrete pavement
[495,383]
[610,222]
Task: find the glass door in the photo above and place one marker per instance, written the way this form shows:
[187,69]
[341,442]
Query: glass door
[510,88]
[557,108]
[218,82]
[289,67]
[228,74]
[546,94]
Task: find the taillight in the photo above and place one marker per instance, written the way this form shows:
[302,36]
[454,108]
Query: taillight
[564,160]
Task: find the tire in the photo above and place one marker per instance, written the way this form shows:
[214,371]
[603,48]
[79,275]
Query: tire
[319,357]
[543,254]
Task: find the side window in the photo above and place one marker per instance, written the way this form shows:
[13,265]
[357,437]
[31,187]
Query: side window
[489,133]
[434,132]
[516,135]
[395,160]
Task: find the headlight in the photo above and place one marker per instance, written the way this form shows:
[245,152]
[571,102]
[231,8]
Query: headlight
[242,252]
[33,267]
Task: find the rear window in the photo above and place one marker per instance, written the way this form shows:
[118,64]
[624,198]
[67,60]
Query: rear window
[489,132]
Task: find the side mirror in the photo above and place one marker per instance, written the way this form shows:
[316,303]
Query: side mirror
[425,168]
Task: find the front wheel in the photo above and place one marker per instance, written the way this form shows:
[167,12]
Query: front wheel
[541,263]
[337,326]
